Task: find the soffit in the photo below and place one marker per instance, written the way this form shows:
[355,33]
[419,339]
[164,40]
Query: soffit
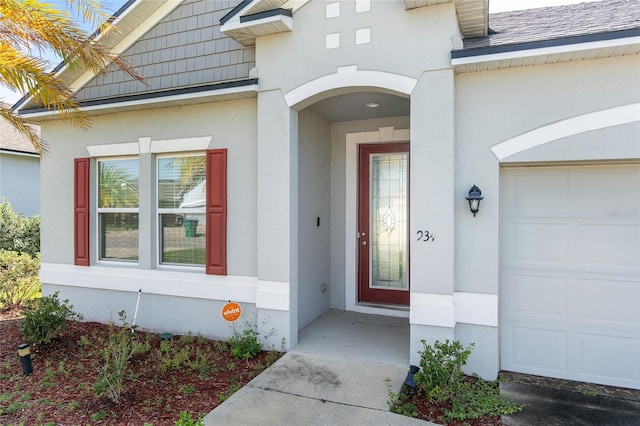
[472,14]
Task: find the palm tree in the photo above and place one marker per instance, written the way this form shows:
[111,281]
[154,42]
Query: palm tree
[29,27]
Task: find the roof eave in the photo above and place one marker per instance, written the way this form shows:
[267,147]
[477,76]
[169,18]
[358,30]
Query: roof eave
[473,15]
[218,92]
[129,23]
[592,46]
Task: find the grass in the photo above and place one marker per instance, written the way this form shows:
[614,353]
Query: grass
[194,256]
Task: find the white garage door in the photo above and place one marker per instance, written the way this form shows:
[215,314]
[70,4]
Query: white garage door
[570,278]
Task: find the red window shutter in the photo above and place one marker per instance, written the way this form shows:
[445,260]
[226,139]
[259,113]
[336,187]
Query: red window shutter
[216,247]
[81,211]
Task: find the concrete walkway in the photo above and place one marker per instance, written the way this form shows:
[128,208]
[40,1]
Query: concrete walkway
[316,389]
[334,376]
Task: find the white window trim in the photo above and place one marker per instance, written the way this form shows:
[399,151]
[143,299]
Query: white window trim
[159,211]
[146,145]
[100,210]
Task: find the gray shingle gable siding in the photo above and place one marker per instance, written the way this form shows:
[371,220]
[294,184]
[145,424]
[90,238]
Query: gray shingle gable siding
[568,24]
[185,49]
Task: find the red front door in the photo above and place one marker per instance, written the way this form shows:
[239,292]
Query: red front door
[383,223]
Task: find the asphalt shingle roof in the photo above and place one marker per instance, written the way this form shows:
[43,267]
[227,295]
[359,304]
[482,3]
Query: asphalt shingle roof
[550,23]
[11,139]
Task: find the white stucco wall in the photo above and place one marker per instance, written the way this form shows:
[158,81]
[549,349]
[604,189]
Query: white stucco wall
[314,156]
[288,60]
[494,106]
[232,125]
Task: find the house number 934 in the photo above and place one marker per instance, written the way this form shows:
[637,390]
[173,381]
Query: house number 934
[425,236]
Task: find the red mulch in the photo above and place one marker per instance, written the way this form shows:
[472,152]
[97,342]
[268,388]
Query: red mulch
[60,389]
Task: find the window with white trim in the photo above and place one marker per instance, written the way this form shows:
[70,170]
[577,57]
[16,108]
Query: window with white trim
[182,184]
[118,209]
[191,194]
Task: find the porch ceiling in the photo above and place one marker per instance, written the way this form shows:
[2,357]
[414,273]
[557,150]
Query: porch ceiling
[352,106]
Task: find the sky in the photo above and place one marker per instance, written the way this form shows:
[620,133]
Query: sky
[495,6]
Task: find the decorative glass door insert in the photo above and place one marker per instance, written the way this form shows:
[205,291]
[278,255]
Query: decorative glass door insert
[383,223]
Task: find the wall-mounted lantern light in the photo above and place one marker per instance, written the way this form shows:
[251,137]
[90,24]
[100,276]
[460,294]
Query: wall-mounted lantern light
[474,198]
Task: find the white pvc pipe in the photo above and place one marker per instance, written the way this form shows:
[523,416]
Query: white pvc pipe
[135,315]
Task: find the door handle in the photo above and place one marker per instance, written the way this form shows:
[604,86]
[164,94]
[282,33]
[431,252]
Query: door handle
[364,243]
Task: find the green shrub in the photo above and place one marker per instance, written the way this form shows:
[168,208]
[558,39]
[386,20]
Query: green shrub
[19,279]
[45,317]
[122,343]
[17,232]
[441,379]
[441,368]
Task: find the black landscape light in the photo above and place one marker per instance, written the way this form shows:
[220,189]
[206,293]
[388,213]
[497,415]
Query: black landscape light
[25,358]
[410,381]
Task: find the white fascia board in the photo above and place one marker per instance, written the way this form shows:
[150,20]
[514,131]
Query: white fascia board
[246,26]
[545,51]
[158,100]
[294,5]
[18,153]
[236,17]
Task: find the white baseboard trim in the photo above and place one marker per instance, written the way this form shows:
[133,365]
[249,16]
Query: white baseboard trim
[445,310]
[273,295]
[156,281]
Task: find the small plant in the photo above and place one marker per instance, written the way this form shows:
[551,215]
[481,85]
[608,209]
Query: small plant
[226,395]
[186,419]
[100,415]
[186,390]
[45,317]
[397,402]
[122,344]
[590,393]
[246,344]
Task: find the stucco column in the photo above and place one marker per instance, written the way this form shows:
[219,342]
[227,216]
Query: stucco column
[432,209]
[277,160]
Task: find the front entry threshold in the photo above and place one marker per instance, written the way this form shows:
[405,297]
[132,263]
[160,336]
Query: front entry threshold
[400,308]
[367,337]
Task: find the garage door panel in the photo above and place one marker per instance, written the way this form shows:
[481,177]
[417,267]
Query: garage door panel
[540,243]
[570,272]
[540,296]
[540,348]
[615,190]
[527,187]
[610,301]
[608,244]
[602,357]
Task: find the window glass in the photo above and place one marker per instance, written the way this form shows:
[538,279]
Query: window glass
[118,195]
[119,236]
[118,183]
[181,206]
